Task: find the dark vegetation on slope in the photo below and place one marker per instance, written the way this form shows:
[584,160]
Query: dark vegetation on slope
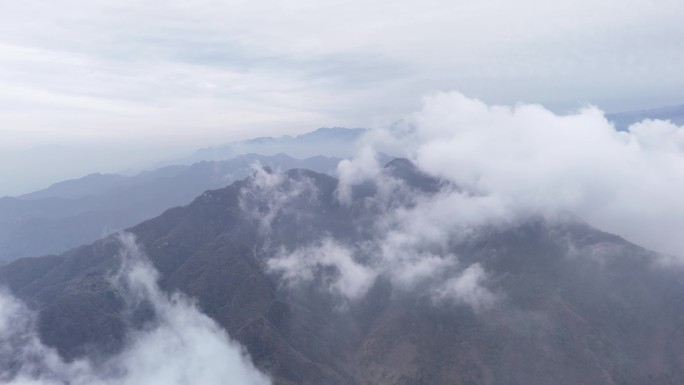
[75,212]
[578,306]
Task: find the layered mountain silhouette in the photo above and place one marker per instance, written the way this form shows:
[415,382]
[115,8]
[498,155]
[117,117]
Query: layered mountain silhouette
[74,212]
[329,141]
[623,120]
[550,300]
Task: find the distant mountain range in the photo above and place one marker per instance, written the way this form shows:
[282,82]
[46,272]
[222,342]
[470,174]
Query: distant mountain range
[538,300]
[623,120]
[74,212]
[336,142]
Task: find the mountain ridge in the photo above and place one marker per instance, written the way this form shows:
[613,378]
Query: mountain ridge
[326,141]
[574,305]
[623,120]
[78,211]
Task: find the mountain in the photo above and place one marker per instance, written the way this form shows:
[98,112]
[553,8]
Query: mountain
[381,285]
[92,184]
[623,120]
[335,141]
[74,212]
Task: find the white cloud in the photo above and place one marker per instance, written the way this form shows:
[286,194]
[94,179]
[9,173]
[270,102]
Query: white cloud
[351,280]
[504,164]
[526,159]
[184,347]
[409,241]
[364,166]
[415,244]
[269,193]
[467,288]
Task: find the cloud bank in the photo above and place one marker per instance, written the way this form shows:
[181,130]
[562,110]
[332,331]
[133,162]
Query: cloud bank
[183,346]
[525,158]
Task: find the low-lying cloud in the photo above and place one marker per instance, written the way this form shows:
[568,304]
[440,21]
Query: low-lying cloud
[183,346]
[406,237]
[350,280]
[467,287]
[527,159]
[270,194]
[502,164]
[349,272]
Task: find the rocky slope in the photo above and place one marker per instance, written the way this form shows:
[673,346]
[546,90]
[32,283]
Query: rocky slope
[534,300]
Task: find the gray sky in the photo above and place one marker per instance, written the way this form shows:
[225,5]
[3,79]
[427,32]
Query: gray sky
[159,77]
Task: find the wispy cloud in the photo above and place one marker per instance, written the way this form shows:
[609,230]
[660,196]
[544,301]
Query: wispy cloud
[182,346]
[504,165]
[403,236]
[526,158]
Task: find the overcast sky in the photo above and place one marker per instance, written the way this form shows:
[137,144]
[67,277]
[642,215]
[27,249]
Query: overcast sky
[177,75]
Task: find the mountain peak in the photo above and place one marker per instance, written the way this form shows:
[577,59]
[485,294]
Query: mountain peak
[327,141]
[405,170]
[623,120]
[323,292]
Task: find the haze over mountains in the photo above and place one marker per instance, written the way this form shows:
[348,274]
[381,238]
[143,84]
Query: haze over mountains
[329,141]
[75,162]
[320,291]
[623,120]
[71,213]
[166,217]
[501,250]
